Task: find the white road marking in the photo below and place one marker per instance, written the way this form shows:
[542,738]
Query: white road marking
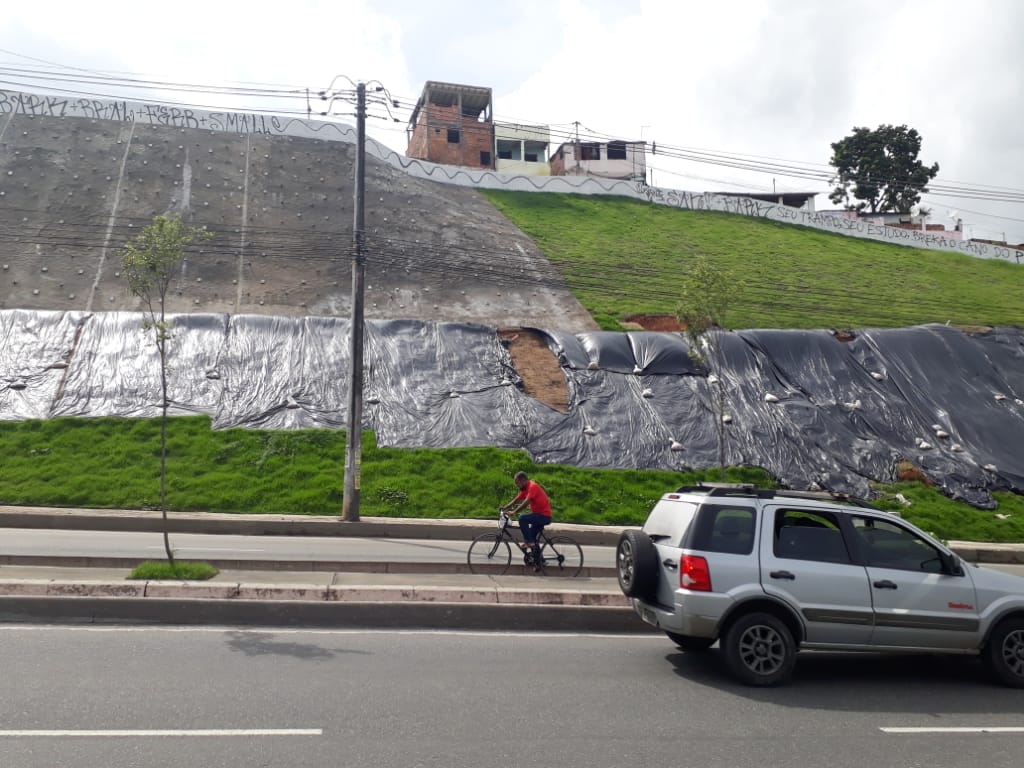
[169,732]
[179,550]
[959,729]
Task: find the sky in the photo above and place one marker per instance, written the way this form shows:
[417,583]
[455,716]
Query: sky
[779,79]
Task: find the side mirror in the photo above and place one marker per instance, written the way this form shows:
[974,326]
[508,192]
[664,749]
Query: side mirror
[951,564]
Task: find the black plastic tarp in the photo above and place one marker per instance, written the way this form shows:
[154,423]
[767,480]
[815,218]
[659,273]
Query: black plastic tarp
[811,409]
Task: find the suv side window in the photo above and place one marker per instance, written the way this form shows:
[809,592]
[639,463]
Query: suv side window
[722,528]
[805,534]
[887,545]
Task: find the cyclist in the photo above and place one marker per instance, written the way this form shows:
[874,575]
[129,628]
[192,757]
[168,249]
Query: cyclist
[530,493]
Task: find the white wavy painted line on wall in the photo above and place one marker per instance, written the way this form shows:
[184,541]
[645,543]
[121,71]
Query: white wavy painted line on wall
[247,123]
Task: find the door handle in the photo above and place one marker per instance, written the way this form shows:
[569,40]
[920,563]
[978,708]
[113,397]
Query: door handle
[886,584]
[670,563]
[782,575]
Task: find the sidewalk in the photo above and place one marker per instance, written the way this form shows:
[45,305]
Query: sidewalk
[338,594]
[323,593]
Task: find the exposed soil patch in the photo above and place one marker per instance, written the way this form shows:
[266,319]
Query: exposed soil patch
[655,322]
[543,379]
[906,472]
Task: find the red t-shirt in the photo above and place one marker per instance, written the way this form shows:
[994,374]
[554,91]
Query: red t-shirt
[539,501]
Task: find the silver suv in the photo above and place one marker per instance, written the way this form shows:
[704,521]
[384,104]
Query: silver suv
[766,573]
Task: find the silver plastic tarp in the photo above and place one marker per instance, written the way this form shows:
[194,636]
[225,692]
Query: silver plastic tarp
[809,408]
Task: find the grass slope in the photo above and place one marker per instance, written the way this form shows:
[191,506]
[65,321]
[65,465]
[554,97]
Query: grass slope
[114,463]
[621,257]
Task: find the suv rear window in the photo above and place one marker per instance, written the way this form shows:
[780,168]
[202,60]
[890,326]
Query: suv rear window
[722,528]
[669,520]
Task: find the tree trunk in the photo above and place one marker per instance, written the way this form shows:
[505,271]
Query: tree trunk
[162,348]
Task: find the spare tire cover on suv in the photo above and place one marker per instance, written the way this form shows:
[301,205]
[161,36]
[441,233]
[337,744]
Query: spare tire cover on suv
[636,563]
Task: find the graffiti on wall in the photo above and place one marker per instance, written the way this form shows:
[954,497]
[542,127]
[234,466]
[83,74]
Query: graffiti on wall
[745,206]
[34,105]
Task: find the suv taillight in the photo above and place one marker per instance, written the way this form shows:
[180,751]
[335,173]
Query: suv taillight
[694,573]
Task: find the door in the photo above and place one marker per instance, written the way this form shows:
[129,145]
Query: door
[917,603]
[805,561]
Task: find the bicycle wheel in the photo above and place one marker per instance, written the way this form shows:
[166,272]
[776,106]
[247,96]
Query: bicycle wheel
[562,557]
[489,553]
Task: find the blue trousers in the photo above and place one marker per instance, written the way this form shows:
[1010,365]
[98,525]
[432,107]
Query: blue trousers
[530,524]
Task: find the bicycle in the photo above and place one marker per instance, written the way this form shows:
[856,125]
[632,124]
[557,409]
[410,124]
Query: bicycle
[492,552]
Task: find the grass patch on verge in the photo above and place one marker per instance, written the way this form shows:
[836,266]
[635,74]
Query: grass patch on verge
[948,520]
[155,570]
[114,463]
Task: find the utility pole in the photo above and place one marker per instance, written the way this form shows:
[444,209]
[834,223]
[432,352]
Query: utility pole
[354,438]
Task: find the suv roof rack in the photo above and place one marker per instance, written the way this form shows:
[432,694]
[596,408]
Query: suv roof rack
[724,489]
[749,489]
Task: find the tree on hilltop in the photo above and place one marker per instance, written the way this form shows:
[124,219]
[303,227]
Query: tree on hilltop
[880,169]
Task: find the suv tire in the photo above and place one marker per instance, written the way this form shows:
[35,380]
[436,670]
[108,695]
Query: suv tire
[691,644]
[636,563]
[759,650]
[1005,652]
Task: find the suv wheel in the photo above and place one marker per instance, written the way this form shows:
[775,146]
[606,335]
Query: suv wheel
[759,650]
[636,560]
[691,644]
[1005,652]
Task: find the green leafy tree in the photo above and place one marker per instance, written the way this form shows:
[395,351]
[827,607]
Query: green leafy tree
[880,169]
[704,301]
[150,263]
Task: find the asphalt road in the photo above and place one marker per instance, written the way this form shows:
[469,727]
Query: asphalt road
[118,697]
[28,541]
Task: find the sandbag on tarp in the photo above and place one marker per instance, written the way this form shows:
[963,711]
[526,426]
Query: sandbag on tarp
[661,354]
[567,348]
[34,355]
[638,352]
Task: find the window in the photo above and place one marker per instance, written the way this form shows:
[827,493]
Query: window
[453,135]
[508,149]
[485,158]
[616,150]
[887,545]
[531,157]
[590,151]
[723,529]
[809,535]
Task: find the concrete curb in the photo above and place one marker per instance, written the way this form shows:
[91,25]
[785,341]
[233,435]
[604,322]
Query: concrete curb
[313,566]
[279,525]
[322,613]
[369,593]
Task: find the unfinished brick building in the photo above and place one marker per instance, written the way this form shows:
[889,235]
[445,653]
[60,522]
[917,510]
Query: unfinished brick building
[452,124]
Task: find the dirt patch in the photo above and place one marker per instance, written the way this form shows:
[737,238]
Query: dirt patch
[906,472]
[543,379]
[654,322]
